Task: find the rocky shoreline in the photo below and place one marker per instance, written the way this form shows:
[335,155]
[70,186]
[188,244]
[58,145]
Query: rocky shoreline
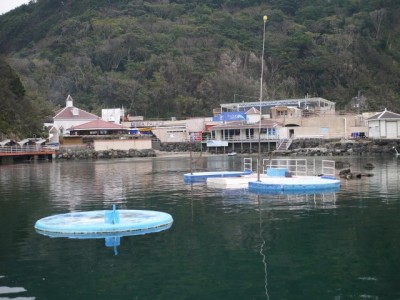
[309,147]
[71,153]
[303,147]
[343,147]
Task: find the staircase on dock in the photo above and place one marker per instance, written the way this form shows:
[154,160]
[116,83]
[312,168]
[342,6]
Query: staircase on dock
[284,144]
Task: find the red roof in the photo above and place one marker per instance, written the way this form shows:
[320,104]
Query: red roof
[99,125]
[74,113]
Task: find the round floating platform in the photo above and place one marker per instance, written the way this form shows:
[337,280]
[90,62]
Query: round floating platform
[92,223]
[295,184]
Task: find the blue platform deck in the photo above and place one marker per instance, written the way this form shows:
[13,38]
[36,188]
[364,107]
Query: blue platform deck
[94,222]
[294,184]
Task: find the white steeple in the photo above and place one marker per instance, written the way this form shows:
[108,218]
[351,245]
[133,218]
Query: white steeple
[70,101]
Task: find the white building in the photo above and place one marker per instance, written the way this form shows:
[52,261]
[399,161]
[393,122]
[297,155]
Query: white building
[384,125]
[113,115]
[68,117]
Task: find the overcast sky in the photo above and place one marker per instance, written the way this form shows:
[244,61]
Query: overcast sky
[7,5]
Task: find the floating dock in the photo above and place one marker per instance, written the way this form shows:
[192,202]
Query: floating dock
[281,176]
[100,222]
[294,184]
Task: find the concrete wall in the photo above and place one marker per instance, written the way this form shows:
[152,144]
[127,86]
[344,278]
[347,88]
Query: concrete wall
[327,126]
[72,140]
[178,131]
[171,134]
[141,144]
[196,124]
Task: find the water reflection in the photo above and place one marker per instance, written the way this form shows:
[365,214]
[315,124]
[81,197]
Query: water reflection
[238,245]
[104,182]
[12,291]
[262,250]
[112,240]
[278,200]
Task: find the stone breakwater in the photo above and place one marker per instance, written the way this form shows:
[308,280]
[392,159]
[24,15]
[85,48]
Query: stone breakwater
[343,147]
[303,147]
[67,154]
[309,147]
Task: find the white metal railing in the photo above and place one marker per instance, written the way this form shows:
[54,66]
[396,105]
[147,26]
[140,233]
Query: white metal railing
[247,164]
[281,141]
[294,166]
[18,149]
[328,168]
[301,167]
[309,136]
[244,138]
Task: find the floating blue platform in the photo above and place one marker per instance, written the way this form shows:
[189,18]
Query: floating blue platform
[99,223]
[294,184]
[103,235]
[202,176]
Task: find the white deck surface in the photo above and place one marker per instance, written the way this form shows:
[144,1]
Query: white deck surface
[232,182]
[243,181]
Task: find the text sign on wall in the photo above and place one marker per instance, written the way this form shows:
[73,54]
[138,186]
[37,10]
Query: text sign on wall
[215,143]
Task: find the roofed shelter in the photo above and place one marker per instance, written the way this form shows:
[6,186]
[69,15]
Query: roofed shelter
[7,142]
[99,127]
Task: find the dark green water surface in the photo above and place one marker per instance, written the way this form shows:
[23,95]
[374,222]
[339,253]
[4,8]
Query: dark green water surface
[222,244]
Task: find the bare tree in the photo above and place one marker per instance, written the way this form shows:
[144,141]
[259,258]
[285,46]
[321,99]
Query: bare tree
[377,17]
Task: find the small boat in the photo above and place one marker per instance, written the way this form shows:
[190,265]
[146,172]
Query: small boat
[233,153]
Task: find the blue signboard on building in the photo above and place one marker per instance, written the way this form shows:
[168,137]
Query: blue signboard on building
[230,116]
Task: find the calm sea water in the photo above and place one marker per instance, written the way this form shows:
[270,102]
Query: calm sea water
[222,244]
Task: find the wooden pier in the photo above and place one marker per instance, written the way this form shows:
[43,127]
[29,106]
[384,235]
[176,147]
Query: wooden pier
[9,154]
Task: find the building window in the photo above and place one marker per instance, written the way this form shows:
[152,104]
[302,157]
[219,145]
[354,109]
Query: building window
[282,113]
[271,131]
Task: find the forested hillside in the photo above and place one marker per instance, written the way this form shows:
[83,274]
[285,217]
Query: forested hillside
[20,115]
[183,58]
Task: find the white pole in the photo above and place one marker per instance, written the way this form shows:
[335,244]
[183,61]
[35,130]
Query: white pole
[265,18]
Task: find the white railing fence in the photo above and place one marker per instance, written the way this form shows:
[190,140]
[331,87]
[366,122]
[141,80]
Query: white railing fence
[301,167]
